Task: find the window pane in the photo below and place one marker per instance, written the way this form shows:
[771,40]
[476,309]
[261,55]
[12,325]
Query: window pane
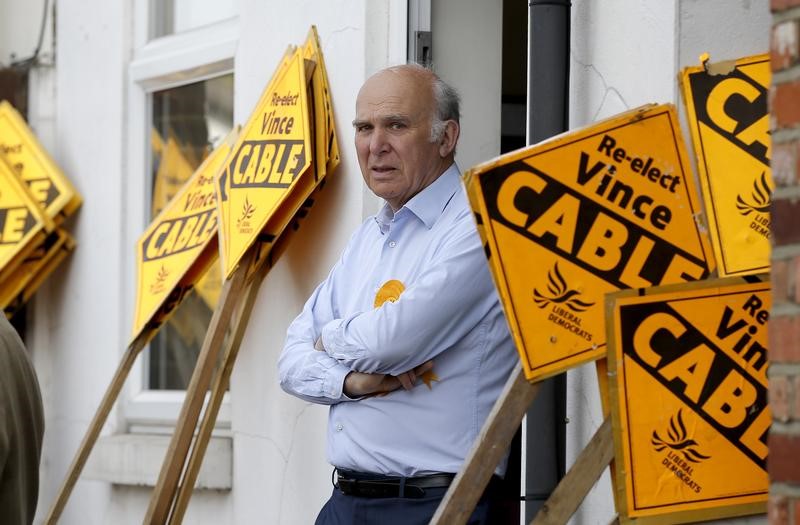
[188,122]
[176,16]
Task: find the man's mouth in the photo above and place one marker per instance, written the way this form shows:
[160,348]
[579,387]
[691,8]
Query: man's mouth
[381,169]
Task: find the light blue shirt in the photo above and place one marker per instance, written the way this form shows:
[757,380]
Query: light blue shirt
[448,312]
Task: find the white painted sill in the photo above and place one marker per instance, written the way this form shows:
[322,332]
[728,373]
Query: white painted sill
[135,459]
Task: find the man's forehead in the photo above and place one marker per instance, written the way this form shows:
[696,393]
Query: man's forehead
[391,92]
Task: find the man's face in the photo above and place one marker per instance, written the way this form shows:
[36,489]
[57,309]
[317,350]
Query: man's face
[394,112]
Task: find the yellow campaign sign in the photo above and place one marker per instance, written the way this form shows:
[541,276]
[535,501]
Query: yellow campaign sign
[34,269]
[177,248]
[23,224]
[29,160]
[687,367]
[608,207]
[326,146]
[726,105]
[271,155]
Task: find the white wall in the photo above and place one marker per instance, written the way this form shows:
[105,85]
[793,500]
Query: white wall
[625,54]
[77,327]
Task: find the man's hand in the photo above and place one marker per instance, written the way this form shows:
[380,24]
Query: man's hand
[358,384]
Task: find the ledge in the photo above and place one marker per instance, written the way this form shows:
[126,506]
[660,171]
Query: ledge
[135,459]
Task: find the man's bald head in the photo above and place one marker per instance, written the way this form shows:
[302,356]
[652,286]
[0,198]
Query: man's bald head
[406,131]
[446,101]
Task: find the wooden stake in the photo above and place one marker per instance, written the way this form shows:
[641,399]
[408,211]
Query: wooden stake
[221,382]
[100,416]
[490,446]
[573,488]
[175,459]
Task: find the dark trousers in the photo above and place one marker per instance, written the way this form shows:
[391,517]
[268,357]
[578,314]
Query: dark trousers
[342,509]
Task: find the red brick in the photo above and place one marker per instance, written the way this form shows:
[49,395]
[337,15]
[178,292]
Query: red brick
[784,214]
[778,509]
[783,461]
[779,280]
[785,163]
[784,104]
[779,396]
[784,339]
[784,45]
[793,280]
[796,413]
[780,5]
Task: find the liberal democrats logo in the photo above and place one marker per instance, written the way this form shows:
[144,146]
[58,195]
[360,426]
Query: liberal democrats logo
[678,441]
[759,200]
[243,222]
[560,293]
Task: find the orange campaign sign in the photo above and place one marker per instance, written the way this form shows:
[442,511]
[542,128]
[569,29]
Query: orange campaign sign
[608,207]
[687,368]
[23,223]
[726,105]
[271,156]
[177,248]
[29,160]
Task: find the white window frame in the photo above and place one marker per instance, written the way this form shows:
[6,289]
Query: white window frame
[158,64]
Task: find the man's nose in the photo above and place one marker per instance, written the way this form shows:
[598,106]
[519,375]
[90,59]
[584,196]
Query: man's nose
[378,142]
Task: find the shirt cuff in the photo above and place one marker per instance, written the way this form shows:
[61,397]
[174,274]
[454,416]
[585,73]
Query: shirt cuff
[334,381]
[334,341]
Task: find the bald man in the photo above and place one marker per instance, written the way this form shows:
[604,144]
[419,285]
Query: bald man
[406,339]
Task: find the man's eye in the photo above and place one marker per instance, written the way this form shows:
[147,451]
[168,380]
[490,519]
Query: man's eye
[397,125]
[362,129]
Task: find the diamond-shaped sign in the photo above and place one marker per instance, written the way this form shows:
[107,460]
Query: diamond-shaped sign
[605,208]
[28,159]
[175,250]
[687,371]
[728,118]
[272,154]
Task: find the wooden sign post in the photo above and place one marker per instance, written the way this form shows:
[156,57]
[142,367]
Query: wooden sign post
[99,419]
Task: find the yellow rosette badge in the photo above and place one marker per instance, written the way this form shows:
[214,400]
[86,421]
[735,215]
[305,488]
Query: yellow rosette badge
[391,291]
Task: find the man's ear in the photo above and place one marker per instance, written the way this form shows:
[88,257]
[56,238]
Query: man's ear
[447,144]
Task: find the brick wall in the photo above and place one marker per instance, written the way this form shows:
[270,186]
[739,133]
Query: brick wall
[784,345]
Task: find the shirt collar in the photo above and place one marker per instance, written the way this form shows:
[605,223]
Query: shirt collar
[428,204]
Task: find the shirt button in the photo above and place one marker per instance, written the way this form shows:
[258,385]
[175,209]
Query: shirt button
[339,427]
[392,244]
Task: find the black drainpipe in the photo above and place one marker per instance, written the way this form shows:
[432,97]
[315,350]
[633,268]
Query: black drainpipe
[548,115]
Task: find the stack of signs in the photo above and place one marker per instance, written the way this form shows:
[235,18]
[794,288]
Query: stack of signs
[726,105]
[285,150]
[246,192]
[179,246]
[698,352]
[35,199]
[609,207]
[688,365]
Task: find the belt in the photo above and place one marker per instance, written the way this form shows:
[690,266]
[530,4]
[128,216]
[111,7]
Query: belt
[376,486]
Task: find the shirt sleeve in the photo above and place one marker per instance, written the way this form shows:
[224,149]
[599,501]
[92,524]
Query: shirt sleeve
[444,303]
[303,371]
